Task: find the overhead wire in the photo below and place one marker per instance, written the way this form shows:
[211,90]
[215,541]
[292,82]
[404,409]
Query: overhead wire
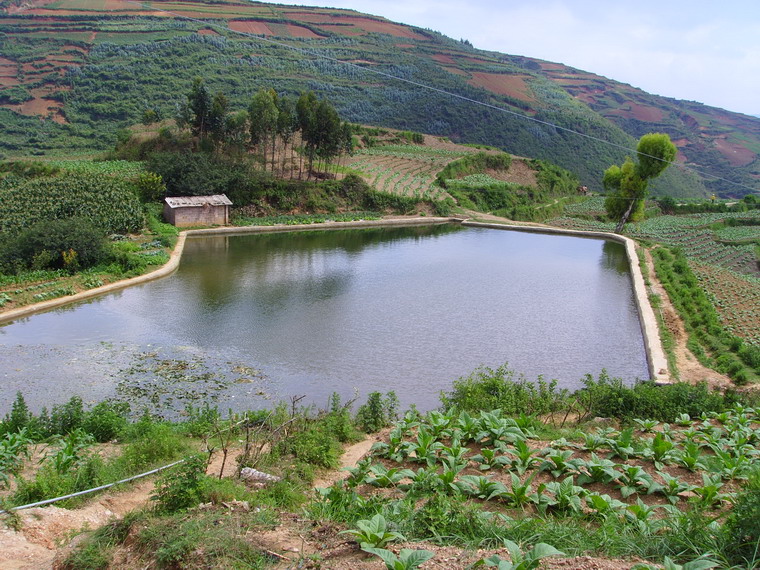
[428,87]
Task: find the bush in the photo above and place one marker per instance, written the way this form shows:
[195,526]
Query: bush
[149,444]
[69,244]
[182,486]
[379,412]
[743,526]
[610,398]
[314,447]
[106,420]
[488,389]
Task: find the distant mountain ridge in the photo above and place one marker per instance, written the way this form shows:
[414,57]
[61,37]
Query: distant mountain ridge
[72,72]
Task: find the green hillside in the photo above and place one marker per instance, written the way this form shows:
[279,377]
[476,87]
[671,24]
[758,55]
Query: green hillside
[73,72]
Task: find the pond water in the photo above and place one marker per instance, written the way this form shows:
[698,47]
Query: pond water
[251,319]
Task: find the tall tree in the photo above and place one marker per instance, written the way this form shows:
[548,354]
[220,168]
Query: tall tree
[327,132]
[262,117]
[306,115]
[627,184]
[217,118]
[199,106]
[287,125]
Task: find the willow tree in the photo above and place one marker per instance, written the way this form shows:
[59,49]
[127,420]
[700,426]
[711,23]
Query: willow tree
[626,185]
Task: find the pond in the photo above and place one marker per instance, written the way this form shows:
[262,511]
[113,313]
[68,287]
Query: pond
[251,319]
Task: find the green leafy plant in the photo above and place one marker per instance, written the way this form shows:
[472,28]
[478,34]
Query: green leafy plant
[489,458]
[481,487]
[407,558]
[523,457]
[520,560]
[598,470]
[380,476]
[373,533]
[183,488]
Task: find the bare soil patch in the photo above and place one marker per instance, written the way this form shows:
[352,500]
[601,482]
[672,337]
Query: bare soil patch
[300,32]
[646,113]
[250,27]
[736,154]
[503,84]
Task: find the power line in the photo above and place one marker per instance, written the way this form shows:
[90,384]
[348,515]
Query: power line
[316,54]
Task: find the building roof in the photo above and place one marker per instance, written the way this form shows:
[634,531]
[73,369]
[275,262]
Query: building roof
[197,201]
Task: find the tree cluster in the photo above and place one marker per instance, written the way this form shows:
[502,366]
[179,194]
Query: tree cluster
[308,126]
[626,185]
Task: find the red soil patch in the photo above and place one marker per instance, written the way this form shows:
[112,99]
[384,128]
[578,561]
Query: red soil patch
[406,46]
[37,106]
[443,58]
[546,66]
[73,47]
[300,32]
[736,154]
[511,85]
[7,81]
[250,27]
[342,29]
[207,32]
[646,113]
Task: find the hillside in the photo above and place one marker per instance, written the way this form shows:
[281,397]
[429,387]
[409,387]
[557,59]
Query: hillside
[73,72]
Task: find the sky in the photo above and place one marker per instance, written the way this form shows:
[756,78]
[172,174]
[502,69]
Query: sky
[698,50]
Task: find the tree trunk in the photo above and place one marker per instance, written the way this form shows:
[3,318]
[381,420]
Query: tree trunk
[624,219]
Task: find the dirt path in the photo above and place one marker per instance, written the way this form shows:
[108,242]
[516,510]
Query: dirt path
[44,531]
[689,368]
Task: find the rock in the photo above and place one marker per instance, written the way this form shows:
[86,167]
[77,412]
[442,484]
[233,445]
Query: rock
[250,474]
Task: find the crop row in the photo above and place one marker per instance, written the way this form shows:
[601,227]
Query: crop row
[736,297]
[411,151]
[106,202]
[739,233]
[694,461]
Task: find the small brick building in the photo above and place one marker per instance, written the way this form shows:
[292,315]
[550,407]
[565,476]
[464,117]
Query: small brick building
[182,211]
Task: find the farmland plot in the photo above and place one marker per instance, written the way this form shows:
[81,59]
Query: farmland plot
[406,170]
[736,297]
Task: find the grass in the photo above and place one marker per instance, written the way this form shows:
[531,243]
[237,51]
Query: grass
[570,496]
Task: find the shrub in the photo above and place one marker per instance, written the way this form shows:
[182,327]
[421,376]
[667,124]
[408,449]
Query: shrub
[488,389]
[314,447]
[150,443]
[69,244]
[106,420]
[181,487]
[743,525]
[610,398]
[379,412]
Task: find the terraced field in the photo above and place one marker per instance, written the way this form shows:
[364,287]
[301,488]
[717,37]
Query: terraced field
[407,170]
